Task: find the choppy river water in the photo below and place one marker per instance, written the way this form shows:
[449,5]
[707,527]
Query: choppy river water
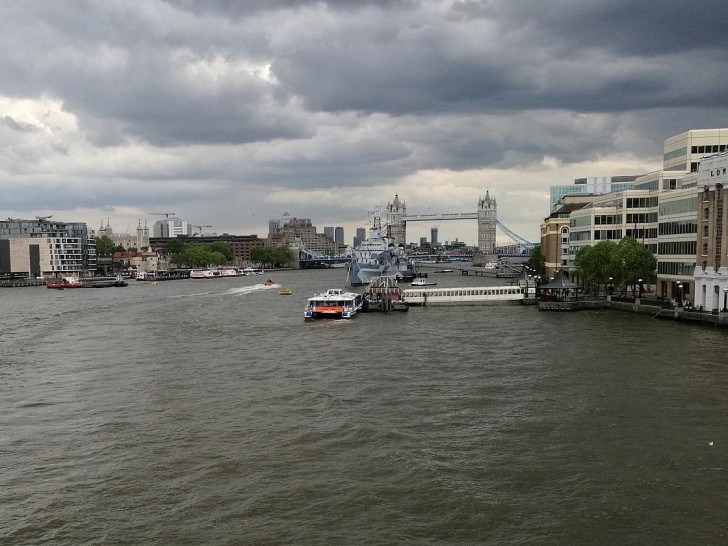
[208,412]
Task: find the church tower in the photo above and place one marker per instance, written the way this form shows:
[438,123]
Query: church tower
[487,213]
[396,226]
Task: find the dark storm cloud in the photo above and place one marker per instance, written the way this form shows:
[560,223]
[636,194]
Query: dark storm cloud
[151,74]
[510,56]
[149,70]
[233,97]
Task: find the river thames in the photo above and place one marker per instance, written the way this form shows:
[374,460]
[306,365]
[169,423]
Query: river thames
[209,412]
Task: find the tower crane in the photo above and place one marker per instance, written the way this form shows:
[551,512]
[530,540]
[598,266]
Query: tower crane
[165,214]
[200,228]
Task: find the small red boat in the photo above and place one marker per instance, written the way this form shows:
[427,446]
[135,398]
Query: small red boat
[65,282]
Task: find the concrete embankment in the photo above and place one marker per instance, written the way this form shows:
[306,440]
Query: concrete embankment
[639,306]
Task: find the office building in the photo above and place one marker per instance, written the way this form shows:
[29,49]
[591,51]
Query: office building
[555,232]
[300,232]
[595,185]
[339,236]
[683,152]
[171,227]
[46,248]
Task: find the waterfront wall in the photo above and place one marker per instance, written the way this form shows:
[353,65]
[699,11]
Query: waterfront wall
[657,310]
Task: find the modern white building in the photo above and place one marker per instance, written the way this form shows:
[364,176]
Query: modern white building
[628,213]
[171,227]
[683,152]
[676,248]
[46,248]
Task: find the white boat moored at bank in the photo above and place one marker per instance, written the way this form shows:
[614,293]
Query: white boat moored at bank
[465,295]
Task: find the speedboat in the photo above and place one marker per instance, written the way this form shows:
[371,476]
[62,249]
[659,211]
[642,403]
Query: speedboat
[285,292]
[269,283]
[334,303]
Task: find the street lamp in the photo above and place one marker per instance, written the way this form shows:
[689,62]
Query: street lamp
[611,285]
[725,300]
[640,286]
[679,293]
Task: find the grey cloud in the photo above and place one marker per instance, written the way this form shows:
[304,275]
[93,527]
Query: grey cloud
[11,123]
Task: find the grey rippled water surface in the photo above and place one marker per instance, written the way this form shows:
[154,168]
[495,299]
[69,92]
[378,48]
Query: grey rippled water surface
[209,412]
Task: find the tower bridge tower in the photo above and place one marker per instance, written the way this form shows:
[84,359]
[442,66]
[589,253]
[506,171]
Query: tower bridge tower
[487,214]
[396,226]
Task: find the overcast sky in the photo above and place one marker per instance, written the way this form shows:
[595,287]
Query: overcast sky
[232,112]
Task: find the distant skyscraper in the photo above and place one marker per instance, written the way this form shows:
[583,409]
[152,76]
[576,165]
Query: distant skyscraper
[272,225]
[361,234]
[433,235]
[329,232]
[339,235]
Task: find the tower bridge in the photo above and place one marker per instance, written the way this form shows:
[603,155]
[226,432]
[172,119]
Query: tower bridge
[396,227]
[486,215]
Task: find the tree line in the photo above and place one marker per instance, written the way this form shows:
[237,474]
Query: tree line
[206,255]
[272,256]
[620,264]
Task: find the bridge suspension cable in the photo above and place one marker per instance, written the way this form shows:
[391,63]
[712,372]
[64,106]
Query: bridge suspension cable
[514,237]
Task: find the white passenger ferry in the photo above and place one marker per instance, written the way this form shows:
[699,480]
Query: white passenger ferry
[465,295]
[334,303]
[218,273]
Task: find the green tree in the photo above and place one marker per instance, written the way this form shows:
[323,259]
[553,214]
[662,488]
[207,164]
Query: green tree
[537,261]
[104,245]
[262,255]
[195,255]
[223,248]
[272,256]
[283,256]
[596,264]
[174,247]
[634,262]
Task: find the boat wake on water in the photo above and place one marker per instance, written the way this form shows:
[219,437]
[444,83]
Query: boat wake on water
[242,290]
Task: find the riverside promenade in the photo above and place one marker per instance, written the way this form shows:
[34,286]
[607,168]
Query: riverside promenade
[658,309]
